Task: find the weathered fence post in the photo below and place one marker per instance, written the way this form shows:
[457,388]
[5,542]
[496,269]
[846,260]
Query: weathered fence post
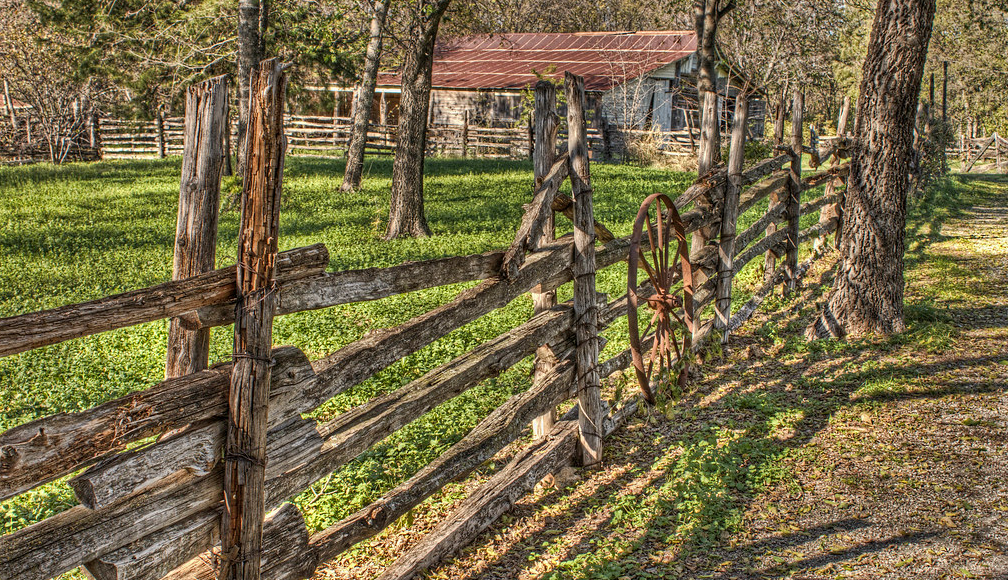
[94,133]
[228,169]
[729,216]
[531,141]
[585,300]
[159,129]
[248,401]
[833,211]
[335,118]
[196,227]
[794,192]
[465,136]
[544,154]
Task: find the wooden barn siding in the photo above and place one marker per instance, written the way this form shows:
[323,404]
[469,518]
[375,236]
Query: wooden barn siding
[486,108]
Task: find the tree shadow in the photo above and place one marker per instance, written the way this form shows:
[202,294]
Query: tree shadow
[721,449]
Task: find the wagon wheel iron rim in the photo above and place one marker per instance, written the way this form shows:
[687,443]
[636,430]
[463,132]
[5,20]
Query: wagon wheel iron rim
[660,264]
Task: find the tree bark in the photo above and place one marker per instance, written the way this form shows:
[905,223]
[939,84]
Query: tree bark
[196,227]
[248,403]
[406,215]
[778,126]
[707,13]
[10,106]
[868,297]
[250,52]
[363,97]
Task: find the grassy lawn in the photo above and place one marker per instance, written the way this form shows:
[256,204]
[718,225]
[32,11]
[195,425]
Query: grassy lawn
[80,232]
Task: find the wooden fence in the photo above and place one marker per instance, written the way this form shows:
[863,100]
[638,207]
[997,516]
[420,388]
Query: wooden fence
[158,511]
[329,136]
[993,148]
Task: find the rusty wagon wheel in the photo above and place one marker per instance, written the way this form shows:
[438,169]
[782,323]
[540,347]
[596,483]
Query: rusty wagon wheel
[659,220]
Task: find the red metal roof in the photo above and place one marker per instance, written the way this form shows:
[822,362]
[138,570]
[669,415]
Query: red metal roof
[507,61]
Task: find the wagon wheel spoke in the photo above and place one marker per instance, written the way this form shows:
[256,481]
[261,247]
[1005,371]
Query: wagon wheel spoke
[650,325]
[653,240]
[659,220]
[678,352]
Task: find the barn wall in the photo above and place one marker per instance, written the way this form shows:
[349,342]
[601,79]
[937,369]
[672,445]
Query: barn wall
[486,108]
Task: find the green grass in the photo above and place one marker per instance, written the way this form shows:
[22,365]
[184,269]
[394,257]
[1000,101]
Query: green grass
[79,232]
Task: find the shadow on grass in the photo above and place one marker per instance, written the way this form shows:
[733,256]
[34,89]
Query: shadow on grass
[720,447]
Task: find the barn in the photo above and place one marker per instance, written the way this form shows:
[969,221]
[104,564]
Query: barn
[643,80]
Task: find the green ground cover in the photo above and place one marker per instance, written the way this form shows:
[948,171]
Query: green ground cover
[871,458]
[79,232]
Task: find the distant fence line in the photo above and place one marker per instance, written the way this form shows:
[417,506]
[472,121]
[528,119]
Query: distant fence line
[992,148]
[330,135]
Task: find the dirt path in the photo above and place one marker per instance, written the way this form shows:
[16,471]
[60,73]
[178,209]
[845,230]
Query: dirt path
[878,459]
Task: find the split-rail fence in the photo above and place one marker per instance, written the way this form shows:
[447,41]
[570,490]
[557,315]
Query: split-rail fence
[234,445]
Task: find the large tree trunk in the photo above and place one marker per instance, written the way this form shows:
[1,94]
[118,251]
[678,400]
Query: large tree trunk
[406,216]
[868,297]
[707,14]
[251,36]
[363,98]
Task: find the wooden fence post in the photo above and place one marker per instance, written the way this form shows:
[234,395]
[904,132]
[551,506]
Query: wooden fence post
[465,135]
[585,300]
[159,128]
[196,227]
[531,141]
[335,117]
[248,401]
[729,216]
[228,169]
[94,133]
[834,210]
[794,192]
[544,153]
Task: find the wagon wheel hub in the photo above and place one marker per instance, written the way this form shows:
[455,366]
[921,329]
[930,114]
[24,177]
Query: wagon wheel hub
[663,302]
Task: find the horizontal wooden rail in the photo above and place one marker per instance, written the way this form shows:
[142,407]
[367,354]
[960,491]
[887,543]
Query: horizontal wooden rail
[490,501]
[765,244]
[42,450]
[327,289]
[498,429]
[772,215]
[175,298]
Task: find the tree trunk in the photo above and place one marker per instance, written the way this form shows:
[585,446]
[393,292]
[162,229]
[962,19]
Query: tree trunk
[250,52]
[868,297]
[778,126]
[406,215]
[10,106]
[707,14]
[363,98]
